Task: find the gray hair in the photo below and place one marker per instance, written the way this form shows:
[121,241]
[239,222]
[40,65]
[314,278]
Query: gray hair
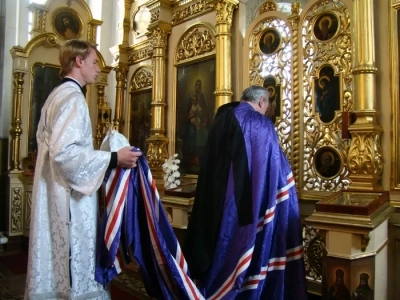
[253,94]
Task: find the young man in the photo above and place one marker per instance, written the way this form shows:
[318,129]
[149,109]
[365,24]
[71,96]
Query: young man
[67,175]
[244,236]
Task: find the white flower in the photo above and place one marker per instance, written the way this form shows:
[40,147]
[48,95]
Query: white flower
[171,173]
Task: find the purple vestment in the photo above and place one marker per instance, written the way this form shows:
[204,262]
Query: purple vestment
[260,260]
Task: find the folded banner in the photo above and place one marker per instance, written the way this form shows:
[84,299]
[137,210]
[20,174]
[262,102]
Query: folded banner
[253,266]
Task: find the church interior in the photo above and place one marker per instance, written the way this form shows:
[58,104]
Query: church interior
[327,65]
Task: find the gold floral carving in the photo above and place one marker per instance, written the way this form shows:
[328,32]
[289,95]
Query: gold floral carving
[336,53]
[40,20]
[224,11]
[139,55]
[191,10]
[279,63]
[142,78]
[39,13]
[16,210]
[155,15]
[159,37]
[157,152]
[314,249]
[196,42]
[365,154]
[267,6]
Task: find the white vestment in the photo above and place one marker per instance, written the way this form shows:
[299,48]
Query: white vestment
[64,211]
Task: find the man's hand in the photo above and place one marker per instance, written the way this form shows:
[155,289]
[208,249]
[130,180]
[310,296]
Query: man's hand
[128,158]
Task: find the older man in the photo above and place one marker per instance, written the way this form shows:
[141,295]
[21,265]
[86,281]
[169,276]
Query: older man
[244,235]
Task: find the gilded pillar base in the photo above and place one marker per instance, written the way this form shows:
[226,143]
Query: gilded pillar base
[156,155]
[365,153]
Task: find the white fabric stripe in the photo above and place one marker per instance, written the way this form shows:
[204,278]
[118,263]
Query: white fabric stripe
[153,237]
[235,273]
[117,266]
[179,256]
[295,257]
[277,259]
[258,277]
[156,195]
[275,268]
[291,250]
[187,281]
[249,287]
[115,207]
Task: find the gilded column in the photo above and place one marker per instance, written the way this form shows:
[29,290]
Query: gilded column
[16,188]
[121,73]
[103,114]
[365,152]
[16,129]
[157,142]
[223,85]
[294,23]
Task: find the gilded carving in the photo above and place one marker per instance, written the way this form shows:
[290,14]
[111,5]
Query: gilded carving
[294,23]
[155,15]
[157,152]
[192,10]
[159,37]
[331,52]
[313,249]
[365,154]
[365,238]
[39,13]
[196,41]
[91,33]
[139,55]
[16,210]
[224,11]
[120,75]
[142,78]
[267,6]
[40,20]
[279,65]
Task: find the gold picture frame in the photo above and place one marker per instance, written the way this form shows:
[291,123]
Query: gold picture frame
[326,26]
[395,93]
[67,24]
[270,40]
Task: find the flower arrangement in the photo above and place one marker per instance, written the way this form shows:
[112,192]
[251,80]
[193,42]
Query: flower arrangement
[171,173]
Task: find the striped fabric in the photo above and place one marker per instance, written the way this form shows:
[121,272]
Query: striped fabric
[135,223]
[262,260]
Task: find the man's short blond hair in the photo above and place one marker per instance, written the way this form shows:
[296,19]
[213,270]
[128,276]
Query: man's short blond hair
[69,51]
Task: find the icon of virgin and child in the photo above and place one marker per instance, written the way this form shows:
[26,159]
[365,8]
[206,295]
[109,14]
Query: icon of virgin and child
[195,126]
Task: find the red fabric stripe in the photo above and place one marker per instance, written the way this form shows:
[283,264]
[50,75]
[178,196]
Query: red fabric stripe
[113,184]
[277,263]
[227,284]
[152,230]
[115,215]
[294,253]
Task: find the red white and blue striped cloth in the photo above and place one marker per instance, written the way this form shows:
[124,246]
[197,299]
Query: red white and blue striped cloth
[262,260]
